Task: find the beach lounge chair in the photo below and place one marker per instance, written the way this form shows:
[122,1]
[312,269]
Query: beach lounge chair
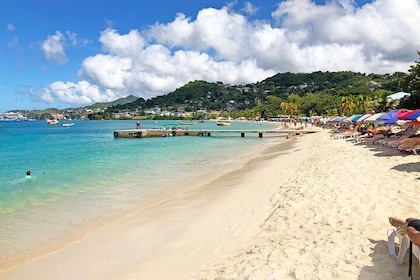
[403,244]
[396,139]
[410,145]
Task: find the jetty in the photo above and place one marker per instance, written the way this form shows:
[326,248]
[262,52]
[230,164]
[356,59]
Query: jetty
[148,133]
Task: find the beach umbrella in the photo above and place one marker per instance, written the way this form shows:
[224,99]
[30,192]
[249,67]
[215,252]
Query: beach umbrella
[363,118]
[410,116]
[392,116]
[373,118]
[352,118]
[356,117]
[416,122]
[347,119]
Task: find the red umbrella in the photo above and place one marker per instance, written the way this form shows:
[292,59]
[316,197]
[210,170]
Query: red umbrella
[402,111]
[416,122]
[410,116]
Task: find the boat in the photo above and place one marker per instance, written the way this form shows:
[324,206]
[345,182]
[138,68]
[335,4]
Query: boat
[52,121]
[187,123]
[223,123]
[67,124]
[12,116]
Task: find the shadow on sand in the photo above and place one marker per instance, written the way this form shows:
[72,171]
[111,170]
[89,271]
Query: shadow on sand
[408,167]
[385,267]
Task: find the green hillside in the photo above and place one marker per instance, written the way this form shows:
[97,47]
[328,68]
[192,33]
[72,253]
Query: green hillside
[313,93]
[120,101]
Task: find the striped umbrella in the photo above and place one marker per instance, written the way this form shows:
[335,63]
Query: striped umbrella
[352,118]
[336,119]
[392,116]
[373,118]
[410,116]
[362,118]
[416,122]
[355,118]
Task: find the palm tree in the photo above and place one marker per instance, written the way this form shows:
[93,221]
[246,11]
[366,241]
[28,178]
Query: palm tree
[381,104]
[289,108]
[363,102]
[347,105]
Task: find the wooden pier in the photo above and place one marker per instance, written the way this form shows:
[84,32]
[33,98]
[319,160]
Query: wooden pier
[147,133]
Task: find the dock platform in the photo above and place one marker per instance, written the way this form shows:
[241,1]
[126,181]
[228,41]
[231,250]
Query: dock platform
[147,133]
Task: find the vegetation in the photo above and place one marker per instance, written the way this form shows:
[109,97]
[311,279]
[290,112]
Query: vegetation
[297,94]
[291,94]
[411,84]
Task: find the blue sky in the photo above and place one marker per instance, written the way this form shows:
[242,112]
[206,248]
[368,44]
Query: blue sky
[62,53]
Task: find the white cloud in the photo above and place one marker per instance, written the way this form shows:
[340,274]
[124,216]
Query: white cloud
[13,42]
[249,8]
[75,93]
[222,45]
[214,30]
[11,27]
[44,94]
[384,27]
[107,71]
[123,45]
[53,48]
[72,37]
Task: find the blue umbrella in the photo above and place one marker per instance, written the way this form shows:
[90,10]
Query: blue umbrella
[413,115]
[391,117]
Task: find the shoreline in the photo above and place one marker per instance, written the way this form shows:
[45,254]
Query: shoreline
[151,204]
[56,224]
[317,210]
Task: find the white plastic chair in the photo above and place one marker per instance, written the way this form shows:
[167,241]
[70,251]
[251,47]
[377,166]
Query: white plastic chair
[404,244]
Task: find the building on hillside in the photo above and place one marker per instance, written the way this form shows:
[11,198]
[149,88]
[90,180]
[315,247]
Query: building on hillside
[58,116]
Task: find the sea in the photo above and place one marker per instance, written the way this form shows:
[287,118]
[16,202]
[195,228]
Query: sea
[83,177]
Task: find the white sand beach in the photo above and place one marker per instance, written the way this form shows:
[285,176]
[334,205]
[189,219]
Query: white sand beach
[310,208]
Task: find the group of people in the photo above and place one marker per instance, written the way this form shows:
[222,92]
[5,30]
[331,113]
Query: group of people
[405,138]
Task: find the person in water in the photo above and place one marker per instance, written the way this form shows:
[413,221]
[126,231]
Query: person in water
[28,174]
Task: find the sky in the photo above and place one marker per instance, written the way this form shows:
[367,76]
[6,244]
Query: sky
[73,53]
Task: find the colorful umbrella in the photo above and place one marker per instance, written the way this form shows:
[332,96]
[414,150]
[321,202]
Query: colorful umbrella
[352,118]
[410,116]
[392,116]
[362,118]
[373,118]
[336,119]
[416,122]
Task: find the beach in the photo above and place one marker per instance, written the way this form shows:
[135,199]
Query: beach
[311,207]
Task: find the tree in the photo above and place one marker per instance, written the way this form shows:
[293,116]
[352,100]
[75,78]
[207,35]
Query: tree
[363,102]
[380,102]
[272,105]
[308,104]
[347,105]
[411,84]
[291,106]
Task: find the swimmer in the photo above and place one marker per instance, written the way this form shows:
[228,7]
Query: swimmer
[28,174]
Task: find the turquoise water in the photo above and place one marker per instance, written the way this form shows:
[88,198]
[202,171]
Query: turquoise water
[82,176]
